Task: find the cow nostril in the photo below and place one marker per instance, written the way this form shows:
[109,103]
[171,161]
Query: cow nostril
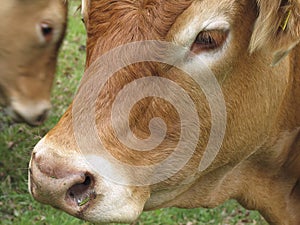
[82,193]
[42,117]
[87,181]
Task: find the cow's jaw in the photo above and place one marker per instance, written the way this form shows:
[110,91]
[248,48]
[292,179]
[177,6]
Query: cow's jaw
[75,187]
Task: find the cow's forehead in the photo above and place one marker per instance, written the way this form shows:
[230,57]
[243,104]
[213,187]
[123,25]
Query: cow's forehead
[112,23]
[157,14]
[126,21]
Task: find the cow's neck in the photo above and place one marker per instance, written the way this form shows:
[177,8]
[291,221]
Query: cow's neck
[291,104]
[292,107]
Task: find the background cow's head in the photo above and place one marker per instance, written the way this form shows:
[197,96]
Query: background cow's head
[239,41]
[31,34]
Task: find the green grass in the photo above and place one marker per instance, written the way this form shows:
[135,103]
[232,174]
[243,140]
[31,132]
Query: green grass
[17,141]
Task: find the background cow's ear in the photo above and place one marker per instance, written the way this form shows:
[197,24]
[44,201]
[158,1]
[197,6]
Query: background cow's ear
[277,27]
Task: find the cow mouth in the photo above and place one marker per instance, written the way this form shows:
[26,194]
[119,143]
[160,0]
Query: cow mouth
[18,118]
[81,195]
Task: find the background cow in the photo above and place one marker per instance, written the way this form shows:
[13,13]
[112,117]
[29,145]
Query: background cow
[31,34]
[83,165]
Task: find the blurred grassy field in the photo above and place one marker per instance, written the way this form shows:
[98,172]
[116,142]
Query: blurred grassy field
[17,141]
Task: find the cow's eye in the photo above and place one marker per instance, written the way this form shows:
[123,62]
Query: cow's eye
[47,31]
[209,40]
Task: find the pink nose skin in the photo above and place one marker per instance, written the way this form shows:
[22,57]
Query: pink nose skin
[61,187]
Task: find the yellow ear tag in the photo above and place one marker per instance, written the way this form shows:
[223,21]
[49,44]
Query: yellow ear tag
[284,23]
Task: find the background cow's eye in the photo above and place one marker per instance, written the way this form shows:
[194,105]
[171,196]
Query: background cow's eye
[47,31]
[83,21]
[209,40]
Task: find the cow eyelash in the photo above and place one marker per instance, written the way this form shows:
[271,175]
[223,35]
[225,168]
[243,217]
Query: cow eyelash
[209,40]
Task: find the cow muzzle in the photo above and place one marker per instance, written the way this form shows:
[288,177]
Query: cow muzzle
[33,114]
[62,186]
[64,179]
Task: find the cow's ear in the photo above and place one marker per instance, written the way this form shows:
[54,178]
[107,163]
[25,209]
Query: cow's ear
[277,27]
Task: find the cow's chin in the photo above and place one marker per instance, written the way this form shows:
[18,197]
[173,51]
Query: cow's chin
[118,205]
[75,187]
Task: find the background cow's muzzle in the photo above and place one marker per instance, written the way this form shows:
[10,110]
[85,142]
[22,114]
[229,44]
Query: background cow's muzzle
[32,113]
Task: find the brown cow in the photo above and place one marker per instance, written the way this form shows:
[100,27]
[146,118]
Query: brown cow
[31,34]
[97,163]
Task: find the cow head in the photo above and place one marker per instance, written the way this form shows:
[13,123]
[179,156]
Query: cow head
[111,157]
[31,34]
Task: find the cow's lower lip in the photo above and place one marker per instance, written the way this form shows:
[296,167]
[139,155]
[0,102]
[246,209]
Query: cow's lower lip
[83,200]
[17,118]
[81,206]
